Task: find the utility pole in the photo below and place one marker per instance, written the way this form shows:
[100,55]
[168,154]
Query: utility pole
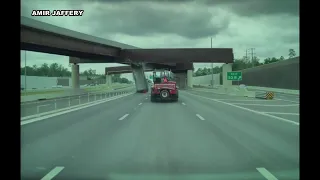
[25,71]
[246,54]
[211,69]
[252,56]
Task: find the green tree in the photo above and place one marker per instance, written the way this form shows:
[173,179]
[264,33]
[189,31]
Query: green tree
[199,72]
[271,60]
[239,64]
[292,53]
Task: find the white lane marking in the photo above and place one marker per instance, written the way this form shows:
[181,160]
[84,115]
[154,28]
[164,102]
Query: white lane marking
[286,100]
[200,117]
[55,171]
[272,105]
[183,104]
[265,173]
[45,105]
[123,117]
[243,108]
[66,110]
[281,113]
[140,104]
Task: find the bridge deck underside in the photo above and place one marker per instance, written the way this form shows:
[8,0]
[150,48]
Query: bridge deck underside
[47,38]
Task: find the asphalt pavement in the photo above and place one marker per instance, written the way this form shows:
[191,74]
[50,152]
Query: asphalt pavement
[202,136]
[32,108]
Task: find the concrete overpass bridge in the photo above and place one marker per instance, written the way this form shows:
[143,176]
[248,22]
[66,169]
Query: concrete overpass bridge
[82,48]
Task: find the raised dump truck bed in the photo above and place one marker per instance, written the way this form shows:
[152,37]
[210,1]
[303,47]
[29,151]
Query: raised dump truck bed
[164,89]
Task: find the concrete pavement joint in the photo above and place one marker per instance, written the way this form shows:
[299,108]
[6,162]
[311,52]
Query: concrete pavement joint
[200,117]
[286,100]
[280,113]
[67,110]
[54,172]
[250,110]
[272,105]
[123,117]
[245,100]
[265,173]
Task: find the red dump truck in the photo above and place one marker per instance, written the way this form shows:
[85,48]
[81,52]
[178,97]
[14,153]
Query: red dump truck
[164,88]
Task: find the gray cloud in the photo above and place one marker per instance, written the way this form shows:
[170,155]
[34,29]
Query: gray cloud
[272,27]
[241,7]
[151,19]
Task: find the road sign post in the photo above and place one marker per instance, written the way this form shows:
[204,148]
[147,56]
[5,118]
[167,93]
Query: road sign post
[234,76]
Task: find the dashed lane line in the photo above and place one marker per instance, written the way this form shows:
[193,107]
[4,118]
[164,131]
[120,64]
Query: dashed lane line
[265,173]
[54,172]
[200,117]
[123,117]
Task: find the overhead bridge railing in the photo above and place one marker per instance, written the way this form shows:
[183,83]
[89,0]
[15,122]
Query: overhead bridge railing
[37,108]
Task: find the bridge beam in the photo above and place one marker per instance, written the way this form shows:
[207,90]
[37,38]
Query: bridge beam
[226,68]
[139,78]
[75,78]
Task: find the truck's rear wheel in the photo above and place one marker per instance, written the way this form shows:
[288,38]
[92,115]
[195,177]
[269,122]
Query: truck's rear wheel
[164,94]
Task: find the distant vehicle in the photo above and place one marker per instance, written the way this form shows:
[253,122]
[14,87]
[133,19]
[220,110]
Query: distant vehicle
[163,87]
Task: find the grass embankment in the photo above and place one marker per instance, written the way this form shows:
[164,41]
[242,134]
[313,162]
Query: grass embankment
[104,87]
[53,91]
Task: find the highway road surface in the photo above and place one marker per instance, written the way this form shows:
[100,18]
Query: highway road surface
[202,136]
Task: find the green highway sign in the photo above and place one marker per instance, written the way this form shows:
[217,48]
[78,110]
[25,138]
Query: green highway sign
[234,76]
[151,76]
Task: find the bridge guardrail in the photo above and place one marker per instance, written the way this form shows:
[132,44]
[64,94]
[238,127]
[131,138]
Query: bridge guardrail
[30,109]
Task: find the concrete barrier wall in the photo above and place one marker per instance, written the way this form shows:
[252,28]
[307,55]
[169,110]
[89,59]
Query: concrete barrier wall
[284,75]
[64,81]
[206,80]
[67,81]
[38,82]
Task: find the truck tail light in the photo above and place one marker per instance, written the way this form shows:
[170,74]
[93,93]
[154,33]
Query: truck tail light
[173,91]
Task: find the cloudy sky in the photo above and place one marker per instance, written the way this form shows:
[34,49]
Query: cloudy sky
[269,26]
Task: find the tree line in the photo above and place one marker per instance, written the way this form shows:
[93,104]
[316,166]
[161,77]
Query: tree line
[243,63]
[57,70]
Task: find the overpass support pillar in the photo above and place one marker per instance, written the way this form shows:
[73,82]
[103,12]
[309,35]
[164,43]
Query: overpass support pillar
[108,80]
[139,78]
[181,79]
[75,77]
[226,68]
[189,78]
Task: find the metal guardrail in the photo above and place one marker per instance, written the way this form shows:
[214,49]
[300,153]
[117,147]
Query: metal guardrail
[67,96]
[38,107]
